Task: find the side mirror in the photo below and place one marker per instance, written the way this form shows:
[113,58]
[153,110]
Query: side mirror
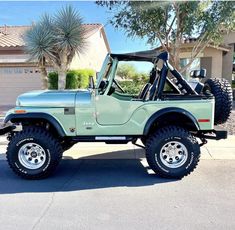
[91,82]
[198,73]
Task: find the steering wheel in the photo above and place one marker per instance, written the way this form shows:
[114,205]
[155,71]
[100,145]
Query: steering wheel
[119,87]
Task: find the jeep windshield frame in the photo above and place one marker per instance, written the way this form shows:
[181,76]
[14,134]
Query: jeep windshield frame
[109,67]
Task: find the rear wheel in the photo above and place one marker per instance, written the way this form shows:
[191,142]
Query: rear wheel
[172,152]
[33,153]
[222,91]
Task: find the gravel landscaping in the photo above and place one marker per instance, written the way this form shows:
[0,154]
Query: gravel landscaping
[230,124]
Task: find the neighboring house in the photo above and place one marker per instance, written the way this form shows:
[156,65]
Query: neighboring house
[19,75]
[217,60]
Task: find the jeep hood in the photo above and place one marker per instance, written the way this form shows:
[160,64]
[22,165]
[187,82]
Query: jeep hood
[49,98]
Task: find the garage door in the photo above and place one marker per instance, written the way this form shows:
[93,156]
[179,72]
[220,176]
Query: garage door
[17,80]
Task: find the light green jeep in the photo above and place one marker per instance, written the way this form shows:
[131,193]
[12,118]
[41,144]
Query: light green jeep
[171,116]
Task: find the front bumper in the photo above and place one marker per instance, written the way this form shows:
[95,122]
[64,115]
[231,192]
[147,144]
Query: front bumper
[6,128]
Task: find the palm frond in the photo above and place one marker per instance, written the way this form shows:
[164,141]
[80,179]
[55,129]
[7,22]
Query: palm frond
[68,30]
[39,41]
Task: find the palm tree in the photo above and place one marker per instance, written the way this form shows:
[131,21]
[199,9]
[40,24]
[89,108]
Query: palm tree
[39,45]
[55,40]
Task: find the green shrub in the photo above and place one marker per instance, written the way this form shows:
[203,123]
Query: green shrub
[71,80]
[131,87]
[233,84]
[53,80]
[75,79]
[83,77]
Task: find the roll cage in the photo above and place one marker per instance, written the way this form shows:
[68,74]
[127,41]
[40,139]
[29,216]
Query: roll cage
[176,81]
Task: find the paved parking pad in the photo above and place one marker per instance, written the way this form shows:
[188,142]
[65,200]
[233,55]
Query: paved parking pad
[100,186]
[119,194]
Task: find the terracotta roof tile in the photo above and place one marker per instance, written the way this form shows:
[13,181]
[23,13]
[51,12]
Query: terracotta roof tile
[12,36]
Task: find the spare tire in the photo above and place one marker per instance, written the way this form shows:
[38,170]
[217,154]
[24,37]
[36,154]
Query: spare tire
[222,91]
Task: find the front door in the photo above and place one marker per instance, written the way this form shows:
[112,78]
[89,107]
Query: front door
[113,111]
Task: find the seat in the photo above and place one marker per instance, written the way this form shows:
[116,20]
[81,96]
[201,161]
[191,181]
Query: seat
[152,90]
[144,91]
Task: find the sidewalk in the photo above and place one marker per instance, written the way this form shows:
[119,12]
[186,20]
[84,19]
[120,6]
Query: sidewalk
[214,150]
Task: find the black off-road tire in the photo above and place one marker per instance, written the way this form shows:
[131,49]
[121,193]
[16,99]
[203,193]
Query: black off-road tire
[156,143]
[222,91]
[39,136]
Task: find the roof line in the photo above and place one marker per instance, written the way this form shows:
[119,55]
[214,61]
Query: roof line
[191,45]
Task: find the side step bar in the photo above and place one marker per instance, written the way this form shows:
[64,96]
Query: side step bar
[106,139]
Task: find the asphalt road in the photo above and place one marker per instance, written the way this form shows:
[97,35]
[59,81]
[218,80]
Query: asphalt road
[119,194]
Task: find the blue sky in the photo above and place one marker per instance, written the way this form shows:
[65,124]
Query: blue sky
[25,12]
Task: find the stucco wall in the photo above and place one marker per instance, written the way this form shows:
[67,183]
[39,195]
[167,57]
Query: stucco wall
[229,38]
[94,54]
[228,65]
[217,60]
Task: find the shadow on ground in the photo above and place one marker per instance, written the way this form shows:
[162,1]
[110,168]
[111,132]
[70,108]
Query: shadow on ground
[83,174]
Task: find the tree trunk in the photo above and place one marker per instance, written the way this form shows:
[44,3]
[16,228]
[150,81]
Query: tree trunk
[44,77]
[177,38]
[61,79]
[62,71]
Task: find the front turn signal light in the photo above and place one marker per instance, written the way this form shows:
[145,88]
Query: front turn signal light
[20,111]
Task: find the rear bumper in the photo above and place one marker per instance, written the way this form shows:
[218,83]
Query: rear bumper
[214,134]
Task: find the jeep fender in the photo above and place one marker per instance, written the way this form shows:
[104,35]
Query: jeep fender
[168,111]
[36,116]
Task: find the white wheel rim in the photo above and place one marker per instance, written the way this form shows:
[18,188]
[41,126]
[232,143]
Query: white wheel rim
[32,156]
[173,154]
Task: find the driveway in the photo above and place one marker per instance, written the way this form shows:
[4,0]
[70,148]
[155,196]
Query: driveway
[103,193]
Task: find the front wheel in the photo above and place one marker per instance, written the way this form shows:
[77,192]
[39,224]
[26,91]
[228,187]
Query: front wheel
[34,153]
[172,152]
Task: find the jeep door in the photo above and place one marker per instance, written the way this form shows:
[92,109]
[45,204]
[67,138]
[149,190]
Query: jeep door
[113,111]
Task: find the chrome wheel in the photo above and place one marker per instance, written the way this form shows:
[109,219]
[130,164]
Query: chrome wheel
[32,156]
[173,154]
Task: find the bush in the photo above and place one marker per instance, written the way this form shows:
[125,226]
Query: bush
[53,80]
[233,84]
[131,87]
[71,80]
[83,77]
[75,79]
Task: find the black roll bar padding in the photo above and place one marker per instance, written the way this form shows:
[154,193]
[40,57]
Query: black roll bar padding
[183,82]
[154,87]
[165,57]
[172,84]
[162,81]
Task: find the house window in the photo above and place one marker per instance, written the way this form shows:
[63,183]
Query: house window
[196,64]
